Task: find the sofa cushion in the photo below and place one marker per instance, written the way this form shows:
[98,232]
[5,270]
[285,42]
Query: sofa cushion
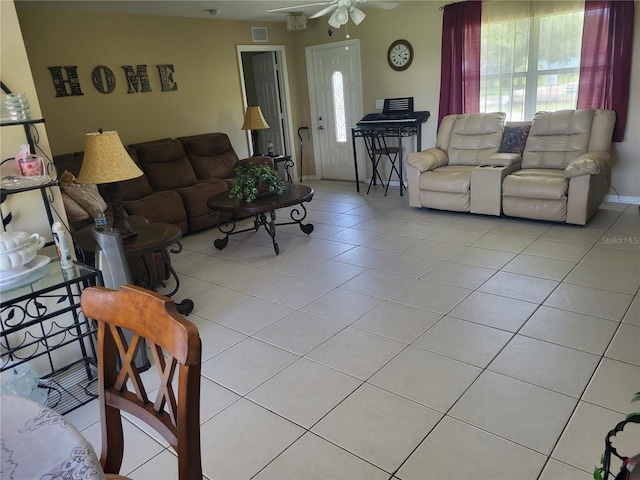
[159,207]
[75,213]
[557,138]
[165,164]
[195,199]
[211,155]
[450,178]
[85,195]
[536,183]
[514,139]
[474,137]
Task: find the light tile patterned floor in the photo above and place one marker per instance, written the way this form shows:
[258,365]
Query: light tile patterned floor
[400,343]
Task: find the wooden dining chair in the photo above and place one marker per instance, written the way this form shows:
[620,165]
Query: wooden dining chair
[155,318]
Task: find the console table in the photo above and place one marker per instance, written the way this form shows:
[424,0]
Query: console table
[42,323]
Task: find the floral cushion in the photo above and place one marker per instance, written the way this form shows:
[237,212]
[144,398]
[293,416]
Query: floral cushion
[87,196]
[75,213]
[514,139]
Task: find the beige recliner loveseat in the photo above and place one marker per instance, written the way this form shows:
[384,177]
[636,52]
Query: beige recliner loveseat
[562,174]
[565,167]
[464,171]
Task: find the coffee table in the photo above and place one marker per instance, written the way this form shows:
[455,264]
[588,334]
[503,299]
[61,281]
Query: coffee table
[294,195]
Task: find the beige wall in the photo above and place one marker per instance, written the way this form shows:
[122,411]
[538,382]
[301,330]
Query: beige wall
[209,96]
[202,51]
[26,208]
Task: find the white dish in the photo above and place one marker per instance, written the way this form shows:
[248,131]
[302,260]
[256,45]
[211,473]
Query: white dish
[14,181]
[15,275]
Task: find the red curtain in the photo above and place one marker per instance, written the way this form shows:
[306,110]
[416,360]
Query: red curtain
[605,63]
[460,69]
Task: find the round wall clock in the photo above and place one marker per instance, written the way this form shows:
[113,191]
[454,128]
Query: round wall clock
[400,55]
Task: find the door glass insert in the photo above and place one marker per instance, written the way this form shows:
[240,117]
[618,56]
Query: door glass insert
[338,106]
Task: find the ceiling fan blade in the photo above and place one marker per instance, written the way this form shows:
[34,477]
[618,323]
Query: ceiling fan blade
[324,11]
[297,7]
[383,5]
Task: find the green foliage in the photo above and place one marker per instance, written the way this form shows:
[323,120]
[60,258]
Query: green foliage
[251,181]
[636,398]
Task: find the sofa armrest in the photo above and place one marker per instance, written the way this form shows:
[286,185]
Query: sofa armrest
[590,163]
[256,161]
[428,159]
[502,159]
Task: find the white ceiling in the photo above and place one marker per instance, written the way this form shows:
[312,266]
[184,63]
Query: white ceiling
[255,10]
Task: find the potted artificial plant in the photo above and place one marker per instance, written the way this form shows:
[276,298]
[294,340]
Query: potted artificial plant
[256,181]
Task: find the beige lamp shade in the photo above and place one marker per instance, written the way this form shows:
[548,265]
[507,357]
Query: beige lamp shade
[106,160]
[253,119]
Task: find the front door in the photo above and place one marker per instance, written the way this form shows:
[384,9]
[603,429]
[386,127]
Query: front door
[335,90]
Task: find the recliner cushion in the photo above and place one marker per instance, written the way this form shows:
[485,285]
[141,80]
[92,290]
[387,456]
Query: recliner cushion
[474,137]
[211,155]
[557,138]
[165,164]
[536,183]
[450,178]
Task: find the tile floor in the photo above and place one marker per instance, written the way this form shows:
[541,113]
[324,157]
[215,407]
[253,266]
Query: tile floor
[399,343]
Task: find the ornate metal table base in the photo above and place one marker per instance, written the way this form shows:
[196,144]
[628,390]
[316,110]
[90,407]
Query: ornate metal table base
[269,224]
[294,196]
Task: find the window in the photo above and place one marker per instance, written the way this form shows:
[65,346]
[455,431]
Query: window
[530,60]
[338,107]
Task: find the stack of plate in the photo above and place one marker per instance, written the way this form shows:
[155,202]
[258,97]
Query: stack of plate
[14,107]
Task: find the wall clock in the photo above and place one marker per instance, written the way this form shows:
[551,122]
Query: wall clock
[400,55]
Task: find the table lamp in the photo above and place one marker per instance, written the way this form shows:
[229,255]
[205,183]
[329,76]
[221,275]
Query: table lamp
[254,121]
[107,162]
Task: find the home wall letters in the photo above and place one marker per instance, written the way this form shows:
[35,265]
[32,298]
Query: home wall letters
[67,83]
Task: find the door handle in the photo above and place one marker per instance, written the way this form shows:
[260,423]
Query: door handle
[320,127]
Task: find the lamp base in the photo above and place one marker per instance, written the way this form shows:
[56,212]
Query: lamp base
[120,220]
[256,145]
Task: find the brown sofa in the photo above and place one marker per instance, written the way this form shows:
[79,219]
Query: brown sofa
[180,175]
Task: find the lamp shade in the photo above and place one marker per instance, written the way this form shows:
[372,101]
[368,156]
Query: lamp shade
[106,160]
[339,17]
[357,15]
[253,119]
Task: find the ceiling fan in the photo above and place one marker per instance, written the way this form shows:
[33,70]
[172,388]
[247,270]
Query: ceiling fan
[342,10]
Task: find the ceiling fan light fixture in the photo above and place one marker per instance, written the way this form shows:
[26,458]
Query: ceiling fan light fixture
[357,15]
[339,17]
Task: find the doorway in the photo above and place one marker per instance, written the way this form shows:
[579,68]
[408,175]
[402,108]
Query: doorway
[335,93]
[263,74]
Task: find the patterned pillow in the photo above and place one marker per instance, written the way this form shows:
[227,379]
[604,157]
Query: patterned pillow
[87,196]
[75,213]
[514,139]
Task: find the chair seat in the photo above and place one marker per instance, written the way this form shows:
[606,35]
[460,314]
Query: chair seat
[450,179]
[536,183]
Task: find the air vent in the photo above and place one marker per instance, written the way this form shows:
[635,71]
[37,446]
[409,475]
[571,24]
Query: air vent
[259,34]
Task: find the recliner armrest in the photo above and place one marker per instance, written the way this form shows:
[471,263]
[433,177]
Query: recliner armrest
[591,163]
[428,159]
[502,159]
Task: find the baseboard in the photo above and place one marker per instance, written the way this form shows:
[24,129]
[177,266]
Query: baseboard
[622,199]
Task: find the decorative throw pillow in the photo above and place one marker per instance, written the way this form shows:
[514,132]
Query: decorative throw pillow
[514,139]
[75,213]
[86,195]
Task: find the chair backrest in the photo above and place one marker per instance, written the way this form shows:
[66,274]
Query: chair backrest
[471,137]
[152,317]
[557,138]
